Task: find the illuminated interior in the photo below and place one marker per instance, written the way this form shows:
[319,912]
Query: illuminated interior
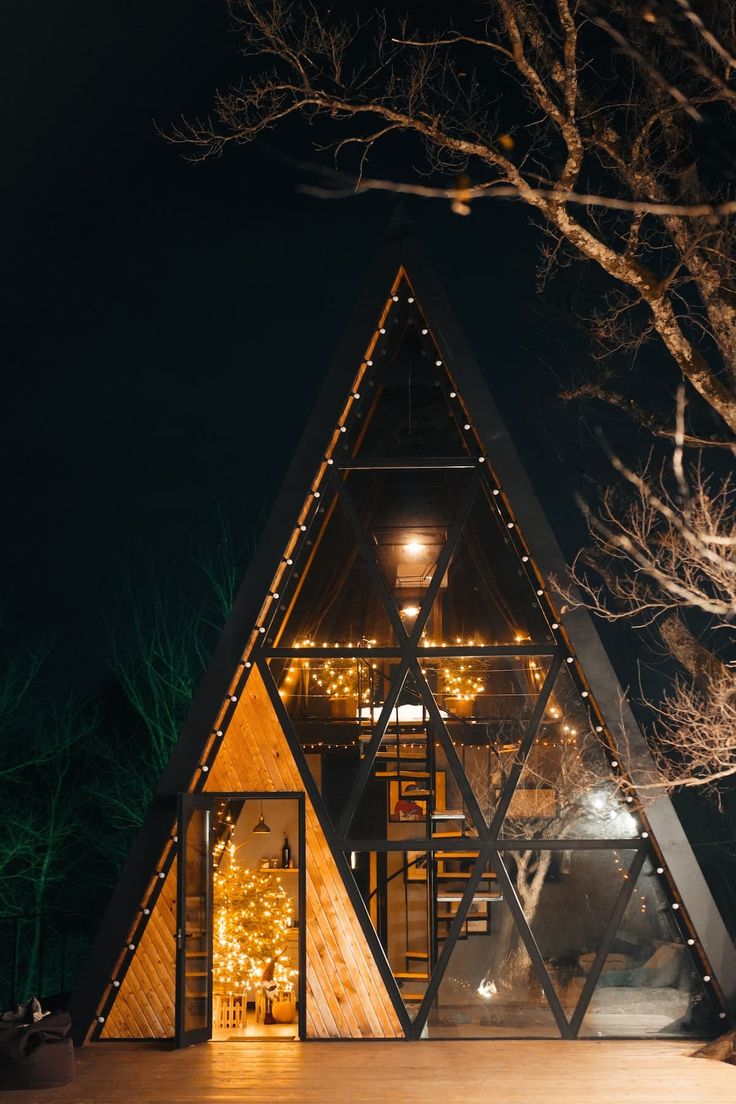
[255,919]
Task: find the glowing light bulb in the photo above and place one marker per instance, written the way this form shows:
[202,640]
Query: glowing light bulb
[410,611]
[413,547]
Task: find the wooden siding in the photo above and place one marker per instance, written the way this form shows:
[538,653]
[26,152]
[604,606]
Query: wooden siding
[346,996]
[144,1007]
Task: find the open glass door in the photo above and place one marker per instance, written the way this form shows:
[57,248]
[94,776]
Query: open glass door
[194,922]
[240,963]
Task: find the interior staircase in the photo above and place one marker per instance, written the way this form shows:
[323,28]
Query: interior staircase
[406,757]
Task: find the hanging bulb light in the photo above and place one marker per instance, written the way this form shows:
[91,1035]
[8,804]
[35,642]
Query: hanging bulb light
[261,827]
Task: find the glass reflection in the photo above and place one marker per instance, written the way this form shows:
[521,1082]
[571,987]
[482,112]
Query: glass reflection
[566,789]
[649,984]
[568,898]
[490,989]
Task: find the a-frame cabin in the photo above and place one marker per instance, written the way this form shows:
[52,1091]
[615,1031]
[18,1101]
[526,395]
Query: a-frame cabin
[453,762]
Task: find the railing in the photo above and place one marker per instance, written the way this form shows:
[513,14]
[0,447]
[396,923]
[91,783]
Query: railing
[40,953]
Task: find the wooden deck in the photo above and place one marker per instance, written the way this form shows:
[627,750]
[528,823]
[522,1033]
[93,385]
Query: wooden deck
[504,1072]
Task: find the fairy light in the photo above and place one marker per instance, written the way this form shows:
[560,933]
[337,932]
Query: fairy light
[252,916]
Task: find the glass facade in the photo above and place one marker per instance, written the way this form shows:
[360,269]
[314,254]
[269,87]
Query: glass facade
[455,753]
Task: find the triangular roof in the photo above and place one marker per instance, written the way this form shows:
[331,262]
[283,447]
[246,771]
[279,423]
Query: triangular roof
[145,889]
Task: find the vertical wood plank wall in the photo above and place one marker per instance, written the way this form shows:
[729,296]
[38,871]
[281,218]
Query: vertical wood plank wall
[346,996]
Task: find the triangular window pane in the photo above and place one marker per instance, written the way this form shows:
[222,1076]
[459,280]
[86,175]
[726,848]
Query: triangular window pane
[332,600]
[490,989]
[650,984]
[407,408]
[488,702]
[568,898]
[333,705]
[488,596]
[567,789]
[407,516]
[412,792]
[394,889]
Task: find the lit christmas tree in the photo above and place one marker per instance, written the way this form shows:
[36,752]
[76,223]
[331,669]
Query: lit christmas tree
[252,914]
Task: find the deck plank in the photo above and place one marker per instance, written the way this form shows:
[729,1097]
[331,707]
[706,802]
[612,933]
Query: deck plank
[511,1072]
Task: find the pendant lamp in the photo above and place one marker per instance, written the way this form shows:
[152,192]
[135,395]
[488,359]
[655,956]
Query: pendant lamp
[261,826]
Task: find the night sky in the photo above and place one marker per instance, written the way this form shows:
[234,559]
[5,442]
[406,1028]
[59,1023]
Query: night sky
[166,325]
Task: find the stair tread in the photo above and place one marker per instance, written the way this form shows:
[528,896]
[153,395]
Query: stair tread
[456,854]
[417,954]
[456,875]
[398,775]
[408,756]
[410,975]
[483,897]
[390,738]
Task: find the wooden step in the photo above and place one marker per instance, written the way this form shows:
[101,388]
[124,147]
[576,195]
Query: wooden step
[404,775]
[423,955]
[410,975]
[455,834]
[390,738]
[478,898]
[462,874]
[412,998]
[409,755]
[454,854]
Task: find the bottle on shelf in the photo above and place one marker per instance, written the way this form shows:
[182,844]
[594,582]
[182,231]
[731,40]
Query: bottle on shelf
[285,853]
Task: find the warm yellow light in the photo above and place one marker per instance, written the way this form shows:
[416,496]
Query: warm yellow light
[414,548]
[410,611]
[252,915]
